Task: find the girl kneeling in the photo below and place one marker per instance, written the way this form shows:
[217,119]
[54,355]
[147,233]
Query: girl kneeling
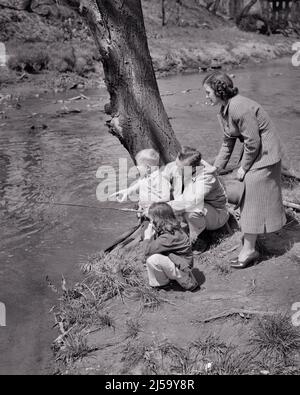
[168,252]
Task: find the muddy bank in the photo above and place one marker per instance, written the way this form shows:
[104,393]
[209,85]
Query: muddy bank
[168,62]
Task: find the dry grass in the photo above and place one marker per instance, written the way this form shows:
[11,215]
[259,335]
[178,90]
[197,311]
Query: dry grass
[201,357]
[222,268]
[133,328]
[276,340]
[209,346]
[232,363]
[134,353]
[118,274]
[73,348]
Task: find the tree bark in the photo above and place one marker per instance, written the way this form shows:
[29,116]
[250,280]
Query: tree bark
[245,11]
[216,6]
[138,118]
[163,12]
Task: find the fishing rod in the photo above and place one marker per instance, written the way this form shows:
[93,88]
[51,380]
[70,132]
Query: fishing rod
[130,210]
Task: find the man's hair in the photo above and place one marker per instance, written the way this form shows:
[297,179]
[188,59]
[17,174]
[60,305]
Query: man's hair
[163,217]
[148,157]
[190,156]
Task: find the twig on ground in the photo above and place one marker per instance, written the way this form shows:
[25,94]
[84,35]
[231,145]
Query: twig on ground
[80,97]
[239,312]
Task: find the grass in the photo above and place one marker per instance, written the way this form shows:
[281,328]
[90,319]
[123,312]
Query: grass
[32,58]
[201,357]
[133,328]
[276,340]
[118,274]
[222,268]
[74,348]
[208,346]
[232,363]
[133,354]
[177,358]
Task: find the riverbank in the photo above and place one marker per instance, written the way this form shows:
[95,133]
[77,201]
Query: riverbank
[239,322]
[56,56]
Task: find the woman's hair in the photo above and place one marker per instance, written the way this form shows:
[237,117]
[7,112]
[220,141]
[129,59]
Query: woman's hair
[190,156]
[148,157]
[163,218]
[222,85]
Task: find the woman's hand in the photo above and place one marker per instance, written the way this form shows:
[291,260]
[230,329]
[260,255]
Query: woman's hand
[241,174]
[149,232]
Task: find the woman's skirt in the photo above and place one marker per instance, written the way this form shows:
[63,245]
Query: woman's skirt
[262,208]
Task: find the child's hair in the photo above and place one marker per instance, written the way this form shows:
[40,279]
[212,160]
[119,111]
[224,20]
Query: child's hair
[221,84]
[190,155]
[163,218]
[148,157]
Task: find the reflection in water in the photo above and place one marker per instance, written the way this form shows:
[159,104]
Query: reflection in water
[45,158]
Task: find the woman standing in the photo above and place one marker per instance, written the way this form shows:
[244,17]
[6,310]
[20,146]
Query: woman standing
[242,118]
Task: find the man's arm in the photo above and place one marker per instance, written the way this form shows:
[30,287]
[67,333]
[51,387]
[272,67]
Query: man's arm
[193,198]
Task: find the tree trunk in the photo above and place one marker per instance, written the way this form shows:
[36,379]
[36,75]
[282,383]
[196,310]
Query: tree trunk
[138,118]
[216,6]
[163,12]
[178,7]
[245,11]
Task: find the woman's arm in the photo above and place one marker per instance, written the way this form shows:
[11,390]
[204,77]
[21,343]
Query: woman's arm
[249,129]
[225,152]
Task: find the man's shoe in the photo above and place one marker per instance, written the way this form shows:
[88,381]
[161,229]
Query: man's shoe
[236,264]
[199,246]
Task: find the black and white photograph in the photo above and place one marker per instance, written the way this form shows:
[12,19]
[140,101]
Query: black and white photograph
[150,190]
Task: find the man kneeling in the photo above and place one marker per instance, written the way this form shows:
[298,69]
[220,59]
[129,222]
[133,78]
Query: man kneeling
[203,199]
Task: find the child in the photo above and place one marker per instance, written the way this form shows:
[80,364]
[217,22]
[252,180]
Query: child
[168,251]
[152,186]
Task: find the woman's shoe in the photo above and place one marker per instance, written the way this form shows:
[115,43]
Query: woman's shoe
[236,264]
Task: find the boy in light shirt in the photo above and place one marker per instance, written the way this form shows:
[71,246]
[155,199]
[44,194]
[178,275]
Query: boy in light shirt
[153,185]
